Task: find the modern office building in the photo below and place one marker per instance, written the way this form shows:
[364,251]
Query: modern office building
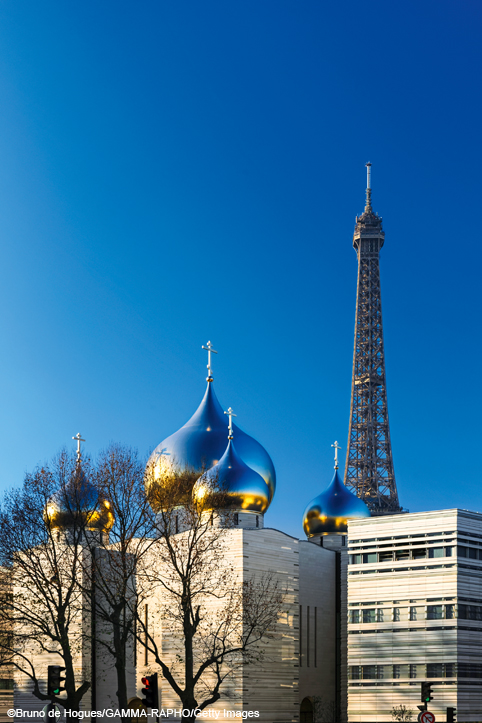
[415,614]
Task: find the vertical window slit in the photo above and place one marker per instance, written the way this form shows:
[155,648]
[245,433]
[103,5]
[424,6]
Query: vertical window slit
[316,638]
[301,636]
[146,620]
[308,636]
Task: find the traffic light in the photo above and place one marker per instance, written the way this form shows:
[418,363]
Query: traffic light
[150,691]
[451,713]
[54,681]
[426,692]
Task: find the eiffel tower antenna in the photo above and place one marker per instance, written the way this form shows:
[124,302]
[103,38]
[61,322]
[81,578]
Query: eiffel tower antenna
[369,464]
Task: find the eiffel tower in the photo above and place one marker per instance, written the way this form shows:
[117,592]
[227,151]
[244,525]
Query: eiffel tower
[369,464]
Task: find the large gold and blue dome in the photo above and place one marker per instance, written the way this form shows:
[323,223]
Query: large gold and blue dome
[239,486]
[201,443]
[329,512]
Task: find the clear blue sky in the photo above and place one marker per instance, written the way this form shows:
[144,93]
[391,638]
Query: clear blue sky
[173,172]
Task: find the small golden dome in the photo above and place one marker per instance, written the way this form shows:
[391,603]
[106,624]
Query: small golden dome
[79,504]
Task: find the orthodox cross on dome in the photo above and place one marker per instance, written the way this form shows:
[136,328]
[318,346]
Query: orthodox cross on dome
[230,414]
[209,349]
[79,439]
[368,205]
[337,447]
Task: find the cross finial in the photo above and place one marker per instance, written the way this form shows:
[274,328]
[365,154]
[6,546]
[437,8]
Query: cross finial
[79,439]
[230,414]
[368,205]
[337,447]
[209,349]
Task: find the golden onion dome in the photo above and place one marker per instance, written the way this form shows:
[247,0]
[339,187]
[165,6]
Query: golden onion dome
[238,486]
[329,512]
[200,444]
[79,505]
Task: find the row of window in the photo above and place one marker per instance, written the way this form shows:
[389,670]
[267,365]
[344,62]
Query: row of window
[419,553]
[405,537]
[414,554]
[410,538]
[376,631]
[419,568]
[428,671]
[427,612]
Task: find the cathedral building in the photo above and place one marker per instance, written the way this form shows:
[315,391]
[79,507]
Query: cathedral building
[303,667]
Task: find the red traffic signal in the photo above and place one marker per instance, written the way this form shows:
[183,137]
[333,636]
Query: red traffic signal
[150,691]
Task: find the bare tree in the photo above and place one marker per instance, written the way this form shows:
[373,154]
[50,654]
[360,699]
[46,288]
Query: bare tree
[118,476]
[212,622]
[42,604]
[401,713]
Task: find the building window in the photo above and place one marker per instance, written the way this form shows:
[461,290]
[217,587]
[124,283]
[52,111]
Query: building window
[413,613]
[257,520]
[369,672]
[396,615]
[380,615]
[469,670]
[385,556]
[402,555]
[435,612]
[419,554]
[236,518]
[449,670]
[436,552]
[370,557]
[356,559]
[435,670]
[343,540]
[461,551]
[369,616]
[396,671]
[354,616]
[355,672]
[450,612]
[412,671]
[470,612]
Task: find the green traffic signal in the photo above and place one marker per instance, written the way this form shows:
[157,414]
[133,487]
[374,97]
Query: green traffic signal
[426,696]
[54,679]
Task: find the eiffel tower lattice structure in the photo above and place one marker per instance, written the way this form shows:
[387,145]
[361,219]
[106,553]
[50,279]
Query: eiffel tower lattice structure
[369,469]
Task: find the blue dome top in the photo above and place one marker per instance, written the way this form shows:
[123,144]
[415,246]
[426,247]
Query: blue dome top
[201,442]
[329,512]
[245,488]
